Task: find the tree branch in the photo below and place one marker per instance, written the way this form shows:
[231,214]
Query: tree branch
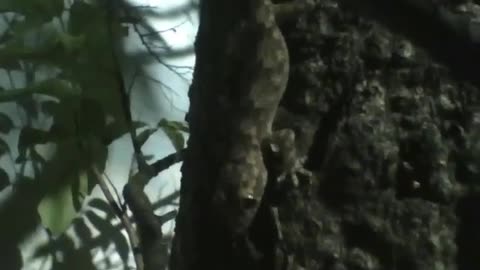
[134,241]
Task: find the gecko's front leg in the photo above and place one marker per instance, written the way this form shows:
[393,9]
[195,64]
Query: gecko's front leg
[281,156]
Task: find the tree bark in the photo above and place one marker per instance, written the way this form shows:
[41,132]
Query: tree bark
[390,130]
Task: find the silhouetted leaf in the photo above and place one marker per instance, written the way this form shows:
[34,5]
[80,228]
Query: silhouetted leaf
[97,152]
[92,180]
[100,205]
[83,232]
[6,36]
[175,125]
[10,64]
[3,147]
[101,224]
[11,257]
[61,89]
[148,157]
[105,226]
[144,135]
[29,105]
[80,190]
[6,123]
[91,117]
[4,182]
[30,137]
[38,10]
[138,124]
[112,131]
[22,157]
[121,243]
[37,157]
[176,137]
[49,107]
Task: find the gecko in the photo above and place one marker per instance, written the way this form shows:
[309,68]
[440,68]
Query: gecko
[261,81]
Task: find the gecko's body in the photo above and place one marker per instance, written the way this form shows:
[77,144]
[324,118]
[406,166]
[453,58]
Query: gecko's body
[262,81]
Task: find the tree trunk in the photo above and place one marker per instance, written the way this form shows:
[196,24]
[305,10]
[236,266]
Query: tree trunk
[391,133]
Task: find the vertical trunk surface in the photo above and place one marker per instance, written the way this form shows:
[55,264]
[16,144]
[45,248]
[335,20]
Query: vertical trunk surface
[388,117]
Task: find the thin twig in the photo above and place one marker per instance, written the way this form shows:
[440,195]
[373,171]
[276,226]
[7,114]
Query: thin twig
[132,235]
[114,189]
[161,165]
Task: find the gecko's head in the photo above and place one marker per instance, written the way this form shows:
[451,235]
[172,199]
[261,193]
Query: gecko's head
[236,212]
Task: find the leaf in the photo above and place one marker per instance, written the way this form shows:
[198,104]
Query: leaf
[56,210]
[11,64]
[180,126]
[38,10]
[70,43]
[22,156]
[6,123]
[29,105]
[98,153]
[31,136]
[80,190]
[176,138]
[148,157]
[173,130]
[91,117]
[61,89]
[83,232]
[36,157]
[4,182]
[3,147]
[6,36]
[138,124]
[49,107]
[144,135]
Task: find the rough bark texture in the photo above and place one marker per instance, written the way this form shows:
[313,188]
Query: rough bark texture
[390,106]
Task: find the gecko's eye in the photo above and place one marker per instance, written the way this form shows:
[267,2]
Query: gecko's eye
[274,148]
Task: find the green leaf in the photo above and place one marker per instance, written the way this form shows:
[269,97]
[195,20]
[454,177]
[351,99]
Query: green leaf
[6,123]
[53,87]
[173,130]
[56,210]
[176,125]
[144,135]
[70,43]
[175,137]
[4,182]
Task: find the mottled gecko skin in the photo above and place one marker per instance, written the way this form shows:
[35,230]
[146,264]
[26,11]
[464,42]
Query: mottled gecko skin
[243,177]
